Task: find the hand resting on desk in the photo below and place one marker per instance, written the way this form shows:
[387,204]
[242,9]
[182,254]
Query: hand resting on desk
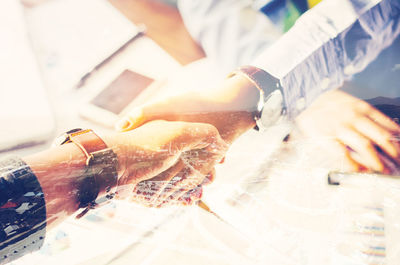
[353,127]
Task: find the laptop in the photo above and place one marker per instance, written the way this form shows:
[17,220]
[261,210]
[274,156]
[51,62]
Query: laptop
[26,117]
[73,37]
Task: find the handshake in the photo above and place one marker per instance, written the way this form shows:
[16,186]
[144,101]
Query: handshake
[165,151]
[165,163]
[169,148]
[162,154]
[179,156]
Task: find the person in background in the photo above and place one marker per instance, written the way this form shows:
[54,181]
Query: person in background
[155,165]
[294,73]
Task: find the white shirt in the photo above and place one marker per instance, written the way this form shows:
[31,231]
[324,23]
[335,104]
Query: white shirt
[329,43]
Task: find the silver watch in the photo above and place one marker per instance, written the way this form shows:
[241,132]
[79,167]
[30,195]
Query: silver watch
[271,106]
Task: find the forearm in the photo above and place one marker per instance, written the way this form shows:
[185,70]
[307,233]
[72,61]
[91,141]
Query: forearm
[240,98]
[328,44]
[57,170]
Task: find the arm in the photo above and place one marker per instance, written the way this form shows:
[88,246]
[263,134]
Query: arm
[328,44]
[37,192]
[41,190]
[57,170]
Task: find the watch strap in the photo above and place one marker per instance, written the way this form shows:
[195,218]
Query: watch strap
[104,164]
[101,175]
[87,141]
[271,95]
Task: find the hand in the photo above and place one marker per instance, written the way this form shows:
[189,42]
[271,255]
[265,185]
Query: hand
[357,129]
[165,162]
[229,107]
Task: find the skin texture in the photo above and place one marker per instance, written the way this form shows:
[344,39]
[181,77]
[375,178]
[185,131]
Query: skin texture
[353,127]
[363,134]
[170,161]
[229,107]
[148,157]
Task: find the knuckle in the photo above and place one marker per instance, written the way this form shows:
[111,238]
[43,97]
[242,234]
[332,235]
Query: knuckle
[364,106]
[365,143]
[385,136]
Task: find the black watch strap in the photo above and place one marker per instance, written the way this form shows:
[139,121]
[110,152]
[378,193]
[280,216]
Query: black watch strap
[100,178]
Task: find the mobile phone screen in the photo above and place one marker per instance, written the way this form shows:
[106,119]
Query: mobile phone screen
[125,88]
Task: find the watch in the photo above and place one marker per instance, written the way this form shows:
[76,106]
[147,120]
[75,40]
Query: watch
[100,178]
[271,105]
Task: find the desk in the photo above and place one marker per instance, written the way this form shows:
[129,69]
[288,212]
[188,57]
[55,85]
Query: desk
[164,26]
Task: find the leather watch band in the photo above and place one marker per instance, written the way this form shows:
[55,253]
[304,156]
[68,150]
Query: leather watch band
[87,141]
[101,166]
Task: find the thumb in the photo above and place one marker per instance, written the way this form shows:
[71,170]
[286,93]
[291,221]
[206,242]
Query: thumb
[130,121]
[179,107]
[158,110]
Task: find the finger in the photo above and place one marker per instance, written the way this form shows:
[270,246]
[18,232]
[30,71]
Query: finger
[202,135]
[209,178]
[192,196]
[181,106]
[204,159]
[378,135]
[200,160]
[152,188]
[182,196]
[171,187]
[188,180]
[140,115]
[368,155]
[179,194]
[188,198]
[343,155]
[145,170]
[144,193]
[383,120]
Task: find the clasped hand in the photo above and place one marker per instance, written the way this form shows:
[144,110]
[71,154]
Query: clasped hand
[167,163]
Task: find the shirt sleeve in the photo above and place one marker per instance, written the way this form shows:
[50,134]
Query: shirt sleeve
[327,45]
[231,32]
[22,210]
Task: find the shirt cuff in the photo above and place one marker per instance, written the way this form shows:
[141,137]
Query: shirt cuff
[22,210]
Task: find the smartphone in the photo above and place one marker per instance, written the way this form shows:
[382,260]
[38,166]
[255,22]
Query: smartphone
[128,90]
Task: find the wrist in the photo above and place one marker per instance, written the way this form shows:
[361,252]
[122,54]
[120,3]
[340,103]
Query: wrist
[238,93]
[100,176]
[240,98]
[114,141]
[57,170]
[271,106]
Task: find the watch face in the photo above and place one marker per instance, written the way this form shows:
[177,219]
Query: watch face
[272,109]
